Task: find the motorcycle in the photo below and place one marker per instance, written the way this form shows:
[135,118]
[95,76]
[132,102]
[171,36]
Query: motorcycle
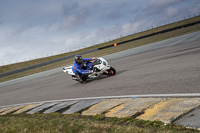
[99,66]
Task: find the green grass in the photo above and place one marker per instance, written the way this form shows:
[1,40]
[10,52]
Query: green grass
[74,123]
[104,51]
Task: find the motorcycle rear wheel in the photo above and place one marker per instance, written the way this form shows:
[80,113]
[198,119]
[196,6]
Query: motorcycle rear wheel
[81,78]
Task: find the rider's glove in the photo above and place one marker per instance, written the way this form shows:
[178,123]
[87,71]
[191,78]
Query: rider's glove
[95,58]
[91,71]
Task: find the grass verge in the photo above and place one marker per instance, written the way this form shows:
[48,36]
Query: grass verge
[99,53]
[74,123]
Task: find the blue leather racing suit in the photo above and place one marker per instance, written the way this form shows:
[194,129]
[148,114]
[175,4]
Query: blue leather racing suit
[77,68]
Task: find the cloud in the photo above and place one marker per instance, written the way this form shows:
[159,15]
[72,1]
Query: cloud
[109,32]
[103,34]
[1,21]
[74,16]
[171,11]
[114,14]
[196,9]
[74,21]
[158,6]
[162,3]
[69,7]
[28,11]
[133,27]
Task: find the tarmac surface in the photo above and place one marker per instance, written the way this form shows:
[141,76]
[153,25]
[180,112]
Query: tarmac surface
[167,67]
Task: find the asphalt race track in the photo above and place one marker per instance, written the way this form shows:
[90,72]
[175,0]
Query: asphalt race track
[167,67]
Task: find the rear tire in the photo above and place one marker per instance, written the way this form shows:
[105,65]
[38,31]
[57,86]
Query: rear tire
[82,79]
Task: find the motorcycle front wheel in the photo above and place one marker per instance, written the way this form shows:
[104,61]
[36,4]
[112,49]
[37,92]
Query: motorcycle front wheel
[110,72]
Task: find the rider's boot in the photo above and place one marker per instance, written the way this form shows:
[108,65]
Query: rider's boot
[74,77]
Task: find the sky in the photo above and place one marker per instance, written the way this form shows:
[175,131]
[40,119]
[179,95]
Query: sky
[31,29]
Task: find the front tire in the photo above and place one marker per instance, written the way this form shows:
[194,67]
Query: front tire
[111,72]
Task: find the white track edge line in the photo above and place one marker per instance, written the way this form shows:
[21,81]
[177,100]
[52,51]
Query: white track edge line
[112,97]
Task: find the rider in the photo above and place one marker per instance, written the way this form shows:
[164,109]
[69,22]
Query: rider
[78,65]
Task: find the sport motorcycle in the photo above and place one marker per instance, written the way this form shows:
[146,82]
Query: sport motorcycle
[99,66]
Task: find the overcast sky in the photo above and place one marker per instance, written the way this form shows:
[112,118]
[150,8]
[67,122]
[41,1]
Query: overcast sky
[32,29]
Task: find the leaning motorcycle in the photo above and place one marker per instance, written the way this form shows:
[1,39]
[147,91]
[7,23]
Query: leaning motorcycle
[99,66]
